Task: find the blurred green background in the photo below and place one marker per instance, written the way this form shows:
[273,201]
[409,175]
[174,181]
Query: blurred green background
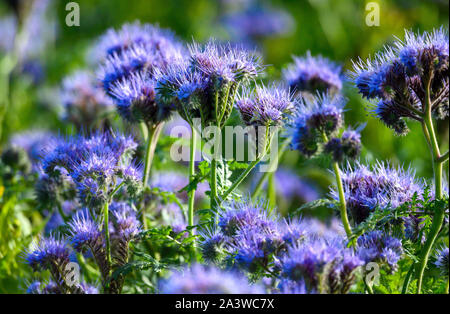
[335,29]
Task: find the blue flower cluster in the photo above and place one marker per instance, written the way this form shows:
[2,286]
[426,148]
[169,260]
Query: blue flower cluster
[397,78]
[131,57]
[97,164]
[382,187]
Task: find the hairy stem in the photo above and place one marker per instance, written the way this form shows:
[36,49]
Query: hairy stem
[106,230]
[241,178]
[438,217]
[153,135]
[265,175]
[342,201]
[193,144]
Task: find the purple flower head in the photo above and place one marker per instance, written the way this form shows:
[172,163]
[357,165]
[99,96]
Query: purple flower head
[254,246]
[136,99]
[442,261]
[395,79]
[223,63]
[126,225]
[137,48]
[83,99]
[377,246]
[85,233]
[48,253]
[347,146]
[200,279]
[313,74]
[265,106]
[34,288]
[288,286]
[95,164]
[212,245]
[315,118]
[382,186]
[293,231]
[325,265]
[238,215]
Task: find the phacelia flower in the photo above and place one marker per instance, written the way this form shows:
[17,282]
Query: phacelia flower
[136,48]
[314,120]
[238,215]
[136,99]
[212,245]
[85,102]
[377,246]
[326,266]
[313,74]
[383,186]
[200,279]
[265,106]
[85,233]
[49,253]
[96,164]
[347,146]
[442,261]
[397,79]
[204,87]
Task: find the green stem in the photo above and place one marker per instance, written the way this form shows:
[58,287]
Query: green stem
[408,278]
[241,178]
[342,201]
[271,190]
[193,145]
[446,288]
[153,136]
[443,158]
[438,217]
[106,229]
[213,174]
[265,175]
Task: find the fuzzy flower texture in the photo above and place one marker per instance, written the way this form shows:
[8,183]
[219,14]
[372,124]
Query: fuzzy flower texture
[407,79]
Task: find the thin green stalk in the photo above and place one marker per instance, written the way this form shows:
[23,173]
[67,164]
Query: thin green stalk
[271,190]
[213,174]
[193,145]
[438,217]
[153,136]
[106,229]
[265,175]
[446,288]
[408,278]
[342,201]
[241,178]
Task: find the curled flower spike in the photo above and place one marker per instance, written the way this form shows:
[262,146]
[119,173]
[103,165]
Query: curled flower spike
[96,164]
[377,246]
[382,186]
[205,86]
[313,74]
[325,265]
[314,120]
[199,279]
[84,101]
[348,146]
[85,233]
[212,246]
[136,100]
[237,215]
[265,106]
[49,253]
[442,261]
[399,79]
